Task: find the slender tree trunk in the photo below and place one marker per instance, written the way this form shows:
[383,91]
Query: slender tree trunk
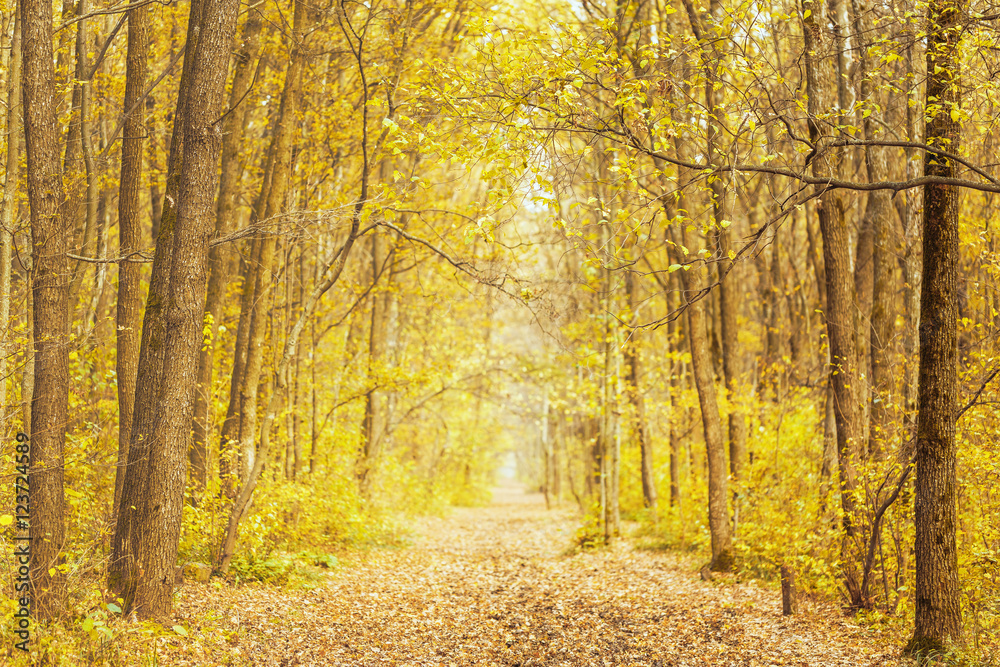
[51,233]
[821,78]
[728,293]
[313,405]
[911,313]
[28,366]
[277,189]
[373,426]
[674,338]
[938,594]
[298,458]
[229,467]
[92,196]
[127,320]
[221,258]
[701,362]
[152,155]
[696,306]
[633,362]
[14,130]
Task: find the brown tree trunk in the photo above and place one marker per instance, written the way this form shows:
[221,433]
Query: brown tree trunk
[12,65]
[221,258]
[277,189]
[91,185]
[374,424]
[697,308]
[125,572]
[229,438]
[938,619]
[633,362]
[821,81]
[51,233]
[674,338]
[127,320]
[701,362]
[146,549]
[878,215]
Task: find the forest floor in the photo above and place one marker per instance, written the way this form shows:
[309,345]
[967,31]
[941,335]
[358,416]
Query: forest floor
[499,585]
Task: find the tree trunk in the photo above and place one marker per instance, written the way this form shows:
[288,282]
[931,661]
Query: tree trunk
[821,81]
[229,468]
[938,619]
[728,292]
[221,258]
[276,191]
[633,361]
[674,337]
[157,487]
[125,570]
[701,362]
[14,130]
[51,232]
[88,245]
[127,320]
[373,427]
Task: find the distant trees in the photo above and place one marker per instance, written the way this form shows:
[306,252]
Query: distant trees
[828,153]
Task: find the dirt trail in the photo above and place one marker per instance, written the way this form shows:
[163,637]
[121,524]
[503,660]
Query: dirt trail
[493,586]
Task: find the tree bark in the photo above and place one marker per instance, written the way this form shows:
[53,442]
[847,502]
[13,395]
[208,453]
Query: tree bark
[125,573]
[127,319]
[374,424]
[14,130]
[701,363]
[277,189]
[938,619]
[674,338]
[821,82]
[157,487]
[221,258]
[633,363]
[51,233]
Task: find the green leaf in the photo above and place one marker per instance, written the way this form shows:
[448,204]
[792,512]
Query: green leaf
[673,267]
[180,630]
[112,607]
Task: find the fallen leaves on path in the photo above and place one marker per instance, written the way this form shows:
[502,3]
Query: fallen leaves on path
[494,586]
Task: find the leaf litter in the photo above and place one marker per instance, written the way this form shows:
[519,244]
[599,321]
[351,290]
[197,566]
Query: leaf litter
[499,585]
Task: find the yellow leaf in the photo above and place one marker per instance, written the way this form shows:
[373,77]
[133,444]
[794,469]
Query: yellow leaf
[6,520]
[956,114]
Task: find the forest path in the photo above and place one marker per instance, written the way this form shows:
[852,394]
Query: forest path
[495,586]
